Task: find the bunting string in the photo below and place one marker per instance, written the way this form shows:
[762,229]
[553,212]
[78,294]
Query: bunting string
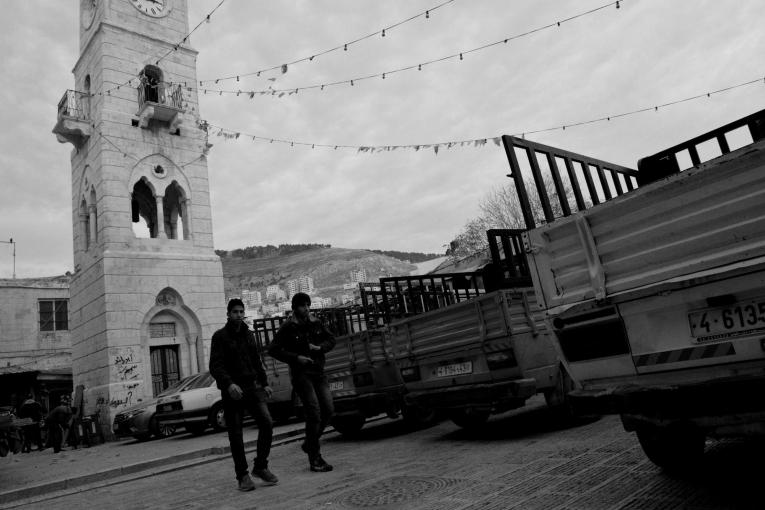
[228,134]
[137,159]
[175,47]
[352,81]
[283,67]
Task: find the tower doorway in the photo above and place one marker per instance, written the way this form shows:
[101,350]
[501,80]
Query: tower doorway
[164,367]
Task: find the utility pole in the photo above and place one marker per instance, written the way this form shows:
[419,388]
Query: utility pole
[11,242]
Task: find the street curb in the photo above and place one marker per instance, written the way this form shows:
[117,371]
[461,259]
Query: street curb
[137,467]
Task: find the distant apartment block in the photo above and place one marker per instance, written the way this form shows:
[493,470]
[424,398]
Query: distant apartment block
[302,284]
[274,292]
[358,275]
[252,298]
[284,306]
[350,286]
[320,302]
[347,299]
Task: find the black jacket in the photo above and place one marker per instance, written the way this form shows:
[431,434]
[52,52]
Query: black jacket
[235,358]
[292,341]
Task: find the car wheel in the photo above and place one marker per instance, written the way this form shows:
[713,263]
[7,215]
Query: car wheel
[160,430]
[218,418]
[470,418]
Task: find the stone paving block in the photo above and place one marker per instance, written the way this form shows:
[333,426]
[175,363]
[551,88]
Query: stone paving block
[586,480]
[546,501]
[611,493]
[632,457]
[651,504]
[578,464]
[539,483]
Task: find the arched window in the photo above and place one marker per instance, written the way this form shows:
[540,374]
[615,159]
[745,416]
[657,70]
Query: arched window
[176,224]
[151,81]
[144,210]
[84,225]
[93,217]
[86,99]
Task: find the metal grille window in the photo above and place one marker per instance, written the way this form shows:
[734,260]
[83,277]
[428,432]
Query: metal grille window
[54,315]
[162,329]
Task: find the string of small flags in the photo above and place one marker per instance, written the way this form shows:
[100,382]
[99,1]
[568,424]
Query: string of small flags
[137,159]
[175,47]
[228,134]
[352,81]
[283,67]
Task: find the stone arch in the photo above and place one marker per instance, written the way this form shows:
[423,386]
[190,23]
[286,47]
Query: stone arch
[143,206]
[160,174]
[169,315]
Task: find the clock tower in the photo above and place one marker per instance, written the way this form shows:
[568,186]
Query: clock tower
[147,291]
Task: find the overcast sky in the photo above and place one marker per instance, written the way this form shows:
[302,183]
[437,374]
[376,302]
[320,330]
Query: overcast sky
[647,52]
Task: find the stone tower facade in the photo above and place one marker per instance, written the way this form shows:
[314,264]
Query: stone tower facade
[147,291]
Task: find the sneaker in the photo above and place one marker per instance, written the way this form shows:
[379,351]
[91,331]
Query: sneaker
[246,484]
[318,464]
[265,475]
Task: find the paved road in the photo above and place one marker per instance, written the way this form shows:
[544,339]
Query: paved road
[522,459]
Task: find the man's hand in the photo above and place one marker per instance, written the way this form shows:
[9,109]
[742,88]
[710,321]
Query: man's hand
[269,391]
[235,391]
[314,347]
[304,360]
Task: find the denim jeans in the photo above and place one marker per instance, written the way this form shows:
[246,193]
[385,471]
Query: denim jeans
[313,390]
[254,402]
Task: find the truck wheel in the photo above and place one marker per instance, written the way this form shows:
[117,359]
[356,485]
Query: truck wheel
[217,418]
[469,418]
[348,425]
[418,417]
[196,429]
[674,448]
[557,397]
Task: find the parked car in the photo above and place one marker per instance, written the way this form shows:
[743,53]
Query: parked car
[195,406]
[140,422]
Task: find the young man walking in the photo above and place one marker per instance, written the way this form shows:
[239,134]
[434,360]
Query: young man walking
[301,343]
[238,369]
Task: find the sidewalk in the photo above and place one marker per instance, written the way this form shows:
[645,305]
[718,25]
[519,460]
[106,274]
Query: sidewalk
[32,474]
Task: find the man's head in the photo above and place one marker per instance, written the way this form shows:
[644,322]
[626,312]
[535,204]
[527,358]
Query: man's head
[301,302]
[235,310]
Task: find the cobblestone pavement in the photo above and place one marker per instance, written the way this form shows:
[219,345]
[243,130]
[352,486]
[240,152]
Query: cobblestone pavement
[525,459]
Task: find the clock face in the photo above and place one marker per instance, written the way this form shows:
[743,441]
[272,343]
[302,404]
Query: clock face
[87,12]
[154,8]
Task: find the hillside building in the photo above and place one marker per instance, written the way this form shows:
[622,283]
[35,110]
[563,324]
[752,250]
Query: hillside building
[275,293]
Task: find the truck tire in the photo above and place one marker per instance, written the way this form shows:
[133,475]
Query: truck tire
[417,417]
[349,425]
[675,448]
[469,418]
[556,397]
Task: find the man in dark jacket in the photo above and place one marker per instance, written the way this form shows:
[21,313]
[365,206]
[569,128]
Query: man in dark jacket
[238,369]
[58,421]
[301,343]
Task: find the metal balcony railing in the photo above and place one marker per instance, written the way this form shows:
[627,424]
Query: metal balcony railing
[162,93]
[75,105]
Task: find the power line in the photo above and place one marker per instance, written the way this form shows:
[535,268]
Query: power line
[459,55]
[229,134]
[344,47]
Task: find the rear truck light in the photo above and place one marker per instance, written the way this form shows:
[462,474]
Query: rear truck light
[410,374]
[501,359]
[362,379]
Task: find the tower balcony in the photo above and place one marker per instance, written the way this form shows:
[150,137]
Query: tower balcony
[73,124]
[160,101]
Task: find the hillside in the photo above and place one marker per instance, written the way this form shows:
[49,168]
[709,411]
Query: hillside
[329,267]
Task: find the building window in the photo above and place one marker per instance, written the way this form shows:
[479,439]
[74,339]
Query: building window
[162,329]
[54,315]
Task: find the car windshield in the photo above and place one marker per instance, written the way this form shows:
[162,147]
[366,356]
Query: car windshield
[179,385]
[203,381]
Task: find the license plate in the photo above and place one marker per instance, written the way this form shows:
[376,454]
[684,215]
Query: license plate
[739,319]
[335,385]
[455,369]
